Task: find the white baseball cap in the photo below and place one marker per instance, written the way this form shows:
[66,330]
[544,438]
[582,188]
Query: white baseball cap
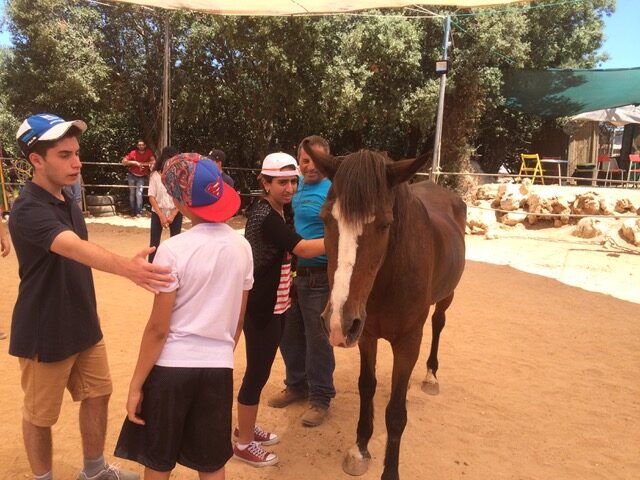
[273,164]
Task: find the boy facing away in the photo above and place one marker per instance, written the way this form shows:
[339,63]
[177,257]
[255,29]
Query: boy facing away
[181,393]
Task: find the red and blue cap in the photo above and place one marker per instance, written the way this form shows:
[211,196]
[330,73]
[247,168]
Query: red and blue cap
[197,183]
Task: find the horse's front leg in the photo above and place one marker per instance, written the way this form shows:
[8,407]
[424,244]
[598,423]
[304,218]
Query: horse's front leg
[405,356]
[357,458]
[430,383]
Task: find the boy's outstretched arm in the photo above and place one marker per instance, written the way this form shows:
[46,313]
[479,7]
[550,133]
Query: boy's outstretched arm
[243,309]
[153,340]
[136,269]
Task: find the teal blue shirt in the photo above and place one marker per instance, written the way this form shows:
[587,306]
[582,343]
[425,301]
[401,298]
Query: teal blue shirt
[307,203]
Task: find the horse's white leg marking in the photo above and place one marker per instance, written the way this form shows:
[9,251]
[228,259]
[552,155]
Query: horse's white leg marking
[430,384]
[354,463]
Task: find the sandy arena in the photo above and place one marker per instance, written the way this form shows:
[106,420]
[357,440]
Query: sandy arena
[539,379]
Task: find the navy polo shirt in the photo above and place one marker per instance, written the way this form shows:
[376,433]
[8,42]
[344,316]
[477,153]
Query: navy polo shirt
[55,313]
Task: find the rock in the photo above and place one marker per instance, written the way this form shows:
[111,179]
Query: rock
[486,192]
[539,208]
[607,206]
[630,231]
[559,205]
[513,218]
[589,228]
[511,202]
[624,205]
[525,186]
[480,219]
[587,204]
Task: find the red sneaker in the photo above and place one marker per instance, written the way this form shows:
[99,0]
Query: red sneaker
[255,455]
[260,436]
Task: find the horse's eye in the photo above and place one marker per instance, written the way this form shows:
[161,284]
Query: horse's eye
[382,226]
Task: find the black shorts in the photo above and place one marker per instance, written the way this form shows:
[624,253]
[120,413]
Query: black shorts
[187,412]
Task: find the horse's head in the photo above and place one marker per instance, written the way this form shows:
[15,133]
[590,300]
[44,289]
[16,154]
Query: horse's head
[358,216]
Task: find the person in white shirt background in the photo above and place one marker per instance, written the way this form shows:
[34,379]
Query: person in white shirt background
[164,213]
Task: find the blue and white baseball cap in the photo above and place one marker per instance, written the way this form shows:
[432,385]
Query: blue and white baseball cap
[42,127]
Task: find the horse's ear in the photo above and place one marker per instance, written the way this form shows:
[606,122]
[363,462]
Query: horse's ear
[403,170]
[327,164]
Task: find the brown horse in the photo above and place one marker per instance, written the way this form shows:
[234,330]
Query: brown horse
[394,250]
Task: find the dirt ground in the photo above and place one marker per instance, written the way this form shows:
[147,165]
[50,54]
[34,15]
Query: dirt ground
[539,379]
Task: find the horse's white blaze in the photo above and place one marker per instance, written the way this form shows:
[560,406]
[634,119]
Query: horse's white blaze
[347,249]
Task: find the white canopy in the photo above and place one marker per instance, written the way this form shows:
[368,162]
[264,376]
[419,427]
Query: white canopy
[617,116]
[304,7]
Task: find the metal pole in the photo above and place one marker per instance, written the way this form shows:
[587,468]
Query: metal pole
[165,135]
[435,165]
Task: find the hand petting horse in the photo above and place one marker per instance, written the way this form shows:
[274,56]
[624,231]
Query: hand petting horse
[394,250]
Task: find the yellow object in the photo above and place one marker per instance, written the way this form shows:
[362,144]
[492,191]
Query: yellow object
[5,200]
[530,164]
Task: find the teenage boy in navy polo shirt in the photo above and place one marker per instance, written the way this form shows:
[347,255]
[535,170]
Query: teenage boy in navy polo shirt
[55,330]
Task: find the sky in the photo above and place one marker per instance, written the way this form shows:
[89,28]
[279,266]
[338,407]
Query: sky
[620,43]
[619,29]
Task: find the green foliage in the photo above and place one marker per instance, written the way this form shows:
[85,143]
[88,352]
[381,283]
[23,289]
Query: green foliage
[55,66]
[8,122]
[252,85]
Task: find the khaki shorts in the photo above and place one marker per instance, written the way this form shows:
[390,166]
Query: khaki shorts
[85,375]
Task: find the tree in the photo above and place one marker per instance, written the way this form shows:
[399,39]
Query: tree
[252,85]
[563,36]
[55,64]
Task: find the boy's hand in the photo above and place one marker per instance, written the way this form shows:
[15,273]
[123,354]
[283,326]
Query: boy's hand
[134,406]
[148,275]
[5,245]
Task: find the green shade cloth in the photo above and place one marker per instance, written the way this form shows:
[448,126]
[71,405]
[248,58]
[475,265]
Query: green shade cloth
[564,93]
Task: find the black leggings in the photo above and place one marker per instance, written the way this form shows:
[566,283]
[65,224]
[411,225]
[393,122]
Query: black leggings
[261,341]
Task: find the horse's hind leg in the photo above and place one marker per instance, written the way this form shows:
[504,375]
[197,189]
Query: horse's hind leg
[357,458]
[405,356]
[430,383]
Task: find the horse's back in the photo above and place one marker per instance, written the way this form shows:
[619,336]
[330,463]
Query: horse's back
[447,214]
[438,201]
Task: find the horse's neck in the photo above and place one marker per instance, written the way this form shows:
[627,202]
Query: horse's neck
[408,237]
[406,267]
[410,218]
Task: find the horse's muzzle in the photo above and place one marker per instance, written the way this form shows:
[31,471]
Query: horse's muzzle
[342,330]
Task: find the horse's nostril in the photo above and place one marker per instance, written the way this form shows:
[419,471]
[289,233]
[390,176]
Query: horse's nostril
[355,327]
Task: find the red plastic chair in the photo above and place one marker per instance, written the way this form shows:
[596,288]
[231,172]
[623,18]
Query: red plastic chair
[634,169]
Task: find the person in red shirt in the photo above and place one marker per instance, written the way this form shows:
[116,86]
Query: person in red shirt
[139,161]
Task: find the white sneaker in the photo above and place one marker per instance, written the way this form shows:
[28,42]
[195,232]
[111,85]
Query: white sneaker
[111,472]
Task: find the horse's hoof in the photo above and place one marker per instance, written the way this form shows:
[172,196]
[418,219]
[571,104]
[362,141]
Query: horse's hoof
[355,463]
[430,384]
[430,388]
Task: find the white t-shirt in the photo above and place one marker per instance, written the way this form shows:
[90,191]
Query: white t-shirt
[158,190]
[212,265]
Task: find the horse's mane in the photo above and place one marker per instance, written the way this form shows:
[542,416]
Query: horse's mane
[361,183]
